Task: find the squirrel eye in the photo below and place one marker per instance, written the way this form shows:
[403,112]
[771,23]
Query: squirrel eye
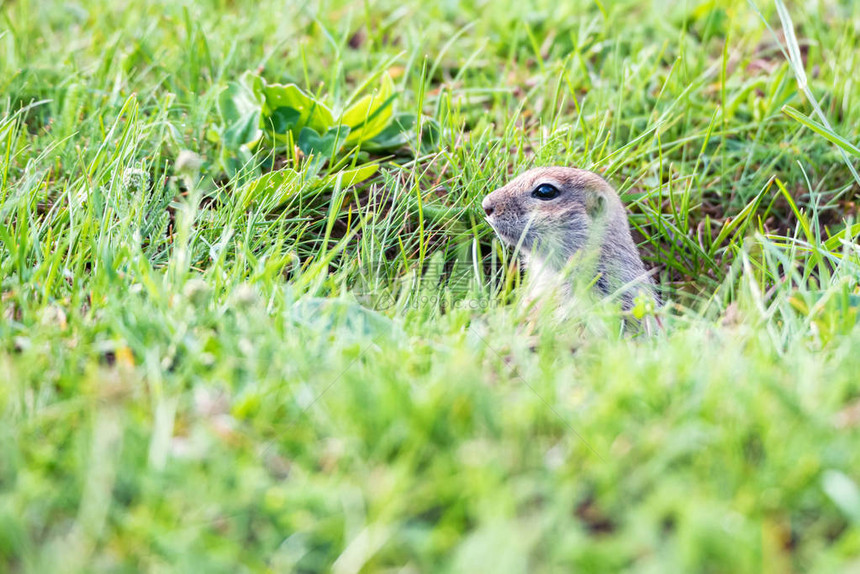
[545,192]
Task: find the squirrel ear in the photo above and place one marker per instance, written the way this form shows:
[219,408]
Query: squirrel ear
[595,203]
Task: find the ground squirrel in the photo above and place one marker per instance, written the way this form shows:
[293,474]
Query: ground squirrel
[569,223]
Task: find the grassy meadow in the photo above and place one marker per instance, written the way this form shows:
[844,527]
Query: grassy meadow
[252,318]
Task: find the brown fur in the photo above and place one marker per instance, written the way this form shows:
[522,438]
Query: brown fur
[585,227]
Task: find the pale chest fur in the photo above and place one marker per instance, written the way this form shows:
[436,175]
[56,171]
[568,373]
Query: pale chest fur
[545,284]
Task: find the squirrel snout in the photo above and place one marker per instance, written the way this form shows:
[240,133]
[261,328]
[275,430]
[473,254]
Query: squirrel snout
[487,204]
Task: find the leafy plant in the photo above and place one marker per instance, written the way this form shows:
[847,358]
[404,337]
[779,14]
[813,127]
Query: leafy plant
[284,120]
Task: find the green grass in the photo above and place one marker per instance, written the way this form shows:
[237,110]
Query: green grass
[347,381]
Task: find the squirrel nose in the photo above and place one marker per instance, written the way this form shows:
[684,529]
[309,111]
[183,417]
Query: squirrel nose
[488,206]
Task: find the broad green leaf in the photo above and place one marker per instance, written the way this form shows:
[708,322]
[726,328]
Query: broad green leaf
[275,187]
[254,83]
[284,119]
[236,161]
[312,113]
[349,177]
[325,146]
[370,115]
[236,101]
[240,115]
[246,131]
[402,130]
[399,132]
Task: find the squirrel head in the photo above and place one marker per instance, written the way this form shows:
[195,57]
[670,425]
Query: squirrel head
[551,211]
